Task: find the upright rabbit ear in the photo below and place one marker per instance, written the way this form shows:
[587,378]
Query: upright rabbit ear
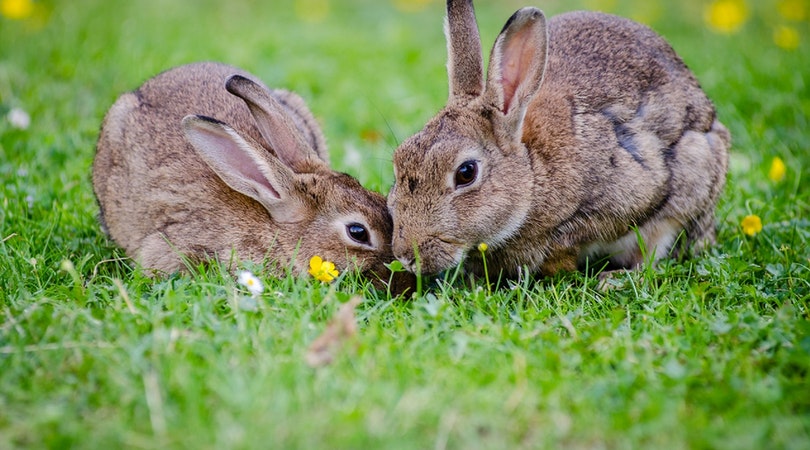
[517,64]
[276,127]
[465,64]
[245,166]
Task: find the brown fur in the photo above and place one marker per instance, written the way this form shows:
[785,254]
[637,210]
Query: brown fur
[588,127]
[161,198]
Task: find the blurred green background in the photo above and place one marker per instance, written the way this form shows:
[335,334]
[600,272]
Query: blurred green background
[372,71]
[712,353]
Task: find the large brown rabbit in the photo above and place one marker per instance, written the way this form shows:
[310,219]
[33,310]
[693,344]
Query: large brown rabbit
[588,134]
[250,181]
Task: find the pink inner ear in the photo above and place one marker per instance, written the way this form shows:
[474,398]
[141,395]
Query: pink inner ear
[516,60]
[231,159]
[250,170]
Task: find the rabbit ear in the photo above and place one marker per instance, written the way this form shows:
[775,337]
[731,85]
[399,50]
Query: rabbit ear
[276,127]
[244,166]
[517,63]
[465,64]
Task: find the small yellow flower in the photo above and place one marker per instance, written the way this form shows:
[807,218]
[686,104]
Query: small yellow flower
[792,9]
[482,247]
[778,170]
[16,9]
[253,284]
[751,224]
[322,270]
[786,37]
[726,16]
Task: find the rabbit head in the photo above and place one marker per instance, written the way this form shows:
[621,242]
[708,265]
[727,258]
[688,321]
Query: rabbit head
[466,178]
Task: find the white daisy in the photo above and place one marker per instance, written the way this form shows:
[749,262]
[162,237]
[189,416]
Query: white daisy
[251,282]
[19,119]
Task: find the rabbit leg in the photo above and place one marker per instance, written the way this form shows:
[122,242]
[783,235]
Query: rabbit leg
[650,242]
[560,259]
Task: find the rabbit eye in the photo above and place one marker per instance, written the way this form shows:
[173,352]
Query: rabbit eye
[358,233]
[466,173]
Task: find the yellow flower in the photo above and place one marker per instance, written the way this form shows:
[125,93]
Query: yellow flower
[726,16]
[751,224]
[786,37]
[482,247]
[16,9]
[791,9]
[778,169]
[322,270]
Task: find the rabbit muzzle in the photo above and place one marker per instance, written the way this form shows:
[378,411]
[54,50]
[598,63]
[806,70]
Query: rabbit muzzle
[429,255]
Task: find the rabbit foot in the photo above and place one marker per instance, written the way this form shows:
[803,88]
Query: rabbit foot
[611,279]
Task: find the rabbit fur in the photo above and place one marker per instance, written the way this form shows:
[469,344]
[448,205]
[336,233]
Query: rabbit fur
[588,136]
[251,180]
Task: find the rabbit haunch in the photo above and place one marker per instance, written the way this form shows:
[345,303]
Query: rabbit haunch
[251,181]
[588,133]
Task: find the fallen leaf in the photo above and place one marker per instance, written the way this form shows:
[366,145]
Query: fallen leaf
[340,329]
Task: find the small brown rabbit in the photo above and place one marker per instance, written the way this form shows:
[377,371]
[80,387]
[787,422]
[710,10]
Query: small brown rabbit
[588,134]
[250,181]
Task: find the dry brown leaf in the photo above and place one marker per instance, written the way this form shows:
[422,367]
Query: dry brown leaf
[340,329]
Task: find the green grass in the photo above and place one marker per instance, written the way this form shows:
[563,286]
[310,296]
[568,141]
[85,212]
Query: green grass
[713,352]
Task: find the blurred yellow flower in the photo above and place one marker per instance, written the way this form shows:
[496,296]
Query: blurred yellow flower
[751,224]
[482,247]
[786,37]
[792,9]
[16,9]
[778,170]
[312,11]
[726,16]
[322,270]
[411,5]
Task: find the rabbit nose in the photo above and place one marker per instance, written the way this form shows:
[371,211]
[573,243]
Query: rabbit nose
[404,252]
[405,256]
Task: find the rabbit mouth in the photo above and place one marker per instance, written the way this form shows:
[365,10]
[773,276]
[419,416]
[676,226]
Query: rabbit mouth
[450,241]
[434,255]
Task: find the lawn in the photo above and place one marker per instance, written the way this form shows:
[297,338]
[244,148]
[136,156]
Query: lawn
[711,352]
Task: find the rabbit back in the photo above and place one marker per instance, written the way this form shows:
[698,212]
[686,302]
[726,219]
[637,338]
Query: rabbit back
[148,181]
[641,140]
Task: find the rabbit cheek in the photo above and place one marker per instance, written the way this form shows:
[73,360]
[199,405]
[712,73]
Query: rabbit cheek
[357,241]
[497,208]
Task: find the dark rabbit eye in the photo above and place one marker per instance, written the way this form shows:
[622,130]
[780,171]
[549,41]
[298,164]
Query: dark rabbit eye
[358,233]
[466,173]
